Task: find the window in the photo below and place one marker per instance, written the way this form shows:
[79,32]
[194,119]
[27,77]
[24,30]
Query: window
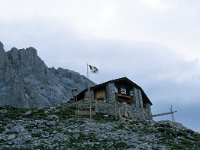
[123,91]
[116,90]
[100,95]
[131,93]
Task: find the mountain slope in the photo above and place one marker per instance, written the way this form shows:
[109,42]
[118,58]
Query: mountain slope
[59,128]
[26,81]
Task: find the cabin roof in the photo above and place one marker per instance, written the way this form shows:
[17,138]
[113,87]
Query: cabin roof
[120,80]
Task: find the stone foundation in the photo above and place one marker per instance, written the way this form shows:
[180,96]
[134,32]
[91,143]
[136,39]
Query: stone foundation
[115,109]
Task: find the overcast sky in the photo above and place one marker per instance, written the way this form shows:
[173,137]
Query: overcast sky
[155,43]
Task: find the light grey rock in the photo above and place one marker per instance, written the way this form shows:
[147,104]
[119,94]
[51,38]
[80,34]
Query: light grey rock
[52,120]
[27,113]
[19,129]
[11,136]
[3,111]
[26,81]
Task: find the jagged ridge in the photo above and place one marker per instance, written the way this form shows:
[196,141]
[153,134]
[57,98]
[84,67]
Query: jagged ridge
[26,81]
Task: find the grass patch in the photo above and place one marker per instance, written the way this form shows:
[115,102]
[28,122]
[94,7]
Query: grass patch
[12,113]
[36,134]
[103,118]
[120,145]
[1,130]
[37,114]
[65,113]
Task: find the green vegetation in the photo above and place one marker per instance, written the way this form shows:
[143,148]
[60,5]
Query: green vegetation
[65,113]
[37,114]
[169,136]
[69,131]
[1,129]
[120,145]
[11,113]
[103,118]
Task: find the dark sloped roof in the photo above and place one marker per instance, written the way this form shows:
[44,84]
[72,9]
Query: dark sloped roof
[123,79]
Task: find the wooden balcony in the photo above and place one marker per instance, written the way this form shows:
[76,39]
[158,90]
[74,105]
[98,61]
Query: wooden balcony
[124,96]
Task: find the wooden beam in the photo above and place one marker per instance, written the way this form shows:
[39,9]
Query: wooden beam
[163,114]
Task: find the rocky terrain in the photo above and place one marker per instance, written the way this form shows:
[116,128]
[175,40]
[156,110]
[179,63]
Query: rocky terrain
[59,128]
[26,82]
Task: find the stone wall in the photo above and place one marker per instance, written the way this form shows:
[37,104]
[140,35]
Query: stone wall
[147,111]
[105,107]
[138,98]
[116,109]
[110,89]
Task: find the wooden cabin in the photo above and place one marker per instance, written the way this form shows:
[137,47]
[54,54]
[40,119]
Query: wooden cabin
[116,97]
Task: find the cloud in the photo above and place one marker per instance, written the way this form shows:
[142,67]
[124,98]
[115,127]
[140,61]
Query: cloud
[170,23]
[158,5]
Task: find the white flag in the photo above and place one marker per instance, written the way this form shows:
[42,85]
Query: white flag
[93,69]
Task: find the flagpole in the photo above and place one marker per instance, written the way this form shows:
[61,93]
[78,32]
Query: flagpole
[89,94]
[87,72]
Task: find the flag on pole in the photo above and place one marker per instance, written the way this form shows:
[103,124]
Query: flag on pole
[93,69]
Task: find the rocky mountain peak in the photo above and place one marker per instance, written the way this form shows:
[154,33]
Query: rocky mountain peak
[13,50]
[26,81]
[1,47]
